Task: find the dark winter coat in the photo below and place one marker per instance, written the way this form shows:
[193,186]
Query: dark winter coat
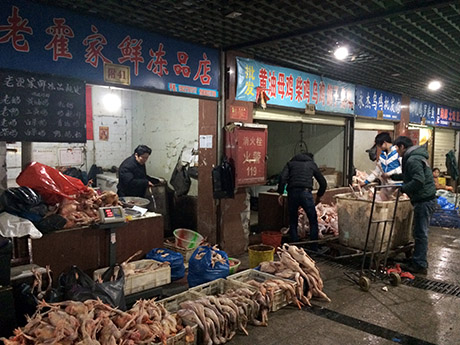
[299,173]
[417,175]
[133,179]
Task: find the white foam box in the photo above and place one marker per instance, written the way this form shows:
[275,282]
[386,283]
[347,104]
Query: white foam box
[145,280]
[279,300]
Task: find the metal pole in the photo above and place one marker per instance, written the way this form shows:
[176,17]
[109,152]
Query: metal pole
[219,139]
[392,226]
[368,231]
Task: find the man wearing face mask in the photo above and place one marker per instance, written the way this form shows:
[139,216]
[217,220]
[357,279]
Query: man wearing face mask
[389,162]
[133,178]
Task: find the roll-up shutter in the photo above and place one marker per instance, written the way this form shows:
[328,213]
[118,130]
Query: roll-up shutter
[444,141]
[376,125]
[290,116]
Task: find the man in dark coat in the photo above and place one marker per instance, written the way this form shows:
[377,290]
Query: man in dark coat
[133,178]
[298,175]
[418,184]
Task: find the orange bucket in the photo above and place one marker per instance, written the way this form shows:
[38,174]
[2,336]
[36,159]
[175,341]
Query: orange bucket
[272,238]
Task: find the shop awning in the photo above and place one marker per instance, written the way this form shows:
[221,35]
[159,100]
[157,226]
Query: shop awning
[292,116]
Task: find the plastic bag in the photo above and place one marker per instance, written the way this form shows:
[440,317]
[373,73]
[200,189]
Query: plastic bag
[176,261]
[78,286]
[51,223]
[14,226]
[201,269]
[223,180]
[26,302]
[23,202]
[180,179]
[50,183]
[442,201]
[77,173]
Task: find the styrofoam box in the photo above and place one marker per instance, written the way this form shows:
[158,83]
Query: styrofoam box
[143,281]
[279,300]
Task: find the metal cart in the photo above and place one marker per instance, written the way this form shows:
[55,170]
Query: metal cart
[374,259]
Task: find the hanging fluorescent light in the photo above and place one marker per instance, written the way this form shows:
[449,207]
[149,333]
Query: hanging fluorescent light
[434,85]
[341,53]
[112,102]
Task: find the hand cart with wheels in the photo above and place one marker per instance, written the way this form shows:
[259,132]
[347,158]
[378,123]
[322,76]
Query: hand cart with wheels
[375,254]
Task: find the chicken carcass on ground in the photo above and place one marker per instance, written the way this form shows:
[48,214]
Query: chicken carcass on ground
[95,323]
[297,265]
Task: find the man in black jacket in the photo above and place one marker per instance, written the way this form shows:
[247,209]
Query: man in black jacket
[298,175]
[133,178]
[419,186]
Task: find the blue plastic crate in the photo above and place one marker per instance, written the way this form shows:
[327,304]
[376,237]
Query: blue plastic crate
[445,219]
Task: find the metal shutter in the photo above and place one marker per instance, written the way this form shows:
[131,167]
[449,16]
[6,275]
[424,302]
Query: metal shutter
[375,125]
[444,141]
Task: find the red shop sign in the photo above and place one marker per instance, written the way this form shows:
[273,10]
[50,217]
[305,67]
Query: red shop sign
[239,113]
[246,147]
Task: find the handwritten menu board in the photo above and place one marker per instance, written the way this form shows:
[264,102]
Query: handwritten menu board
[36,107]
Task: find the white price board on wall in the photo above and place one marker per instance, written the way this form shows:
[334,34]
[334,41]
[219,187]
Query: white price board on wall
[70,156]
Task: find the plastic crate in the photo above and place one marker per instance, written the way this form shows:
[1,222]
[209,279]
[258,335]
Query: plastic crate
[220,286]
[172,304]
[445,219]
[143,281]
[279,300]
[186,253]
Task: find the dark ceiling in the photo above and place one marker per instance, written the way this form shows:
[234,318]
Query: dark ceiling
[396,45]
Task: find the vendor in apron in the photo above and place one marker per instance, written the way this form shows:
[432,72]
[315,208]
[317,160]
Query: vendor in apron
[133,178]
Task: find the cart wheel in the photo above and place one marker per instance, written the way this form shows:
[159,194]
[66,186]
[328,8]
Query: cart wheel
[364,283]
[395,279]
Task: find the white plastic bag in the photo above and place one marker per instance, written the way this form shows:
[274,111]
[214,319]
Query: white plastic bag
[14,226]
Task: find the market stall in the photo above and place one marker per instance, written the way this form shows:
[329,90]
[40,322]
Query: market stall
[88,247]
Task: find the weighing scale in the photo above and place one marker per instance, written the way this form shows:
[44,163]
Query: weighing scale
[111,218]
[112,214]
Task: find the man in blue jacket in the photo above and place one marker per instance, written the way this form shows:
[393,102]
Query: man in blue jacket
[389,162]
[418,184]
[298,174]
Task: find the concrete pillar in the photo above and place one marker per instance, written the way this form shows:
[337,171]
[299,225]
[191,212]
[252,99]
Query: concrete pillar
[403,125]
[206,208]
[26,154]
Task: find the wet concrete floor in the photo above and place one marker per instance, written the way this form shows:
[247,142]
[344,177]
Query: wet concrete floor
[401,315]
